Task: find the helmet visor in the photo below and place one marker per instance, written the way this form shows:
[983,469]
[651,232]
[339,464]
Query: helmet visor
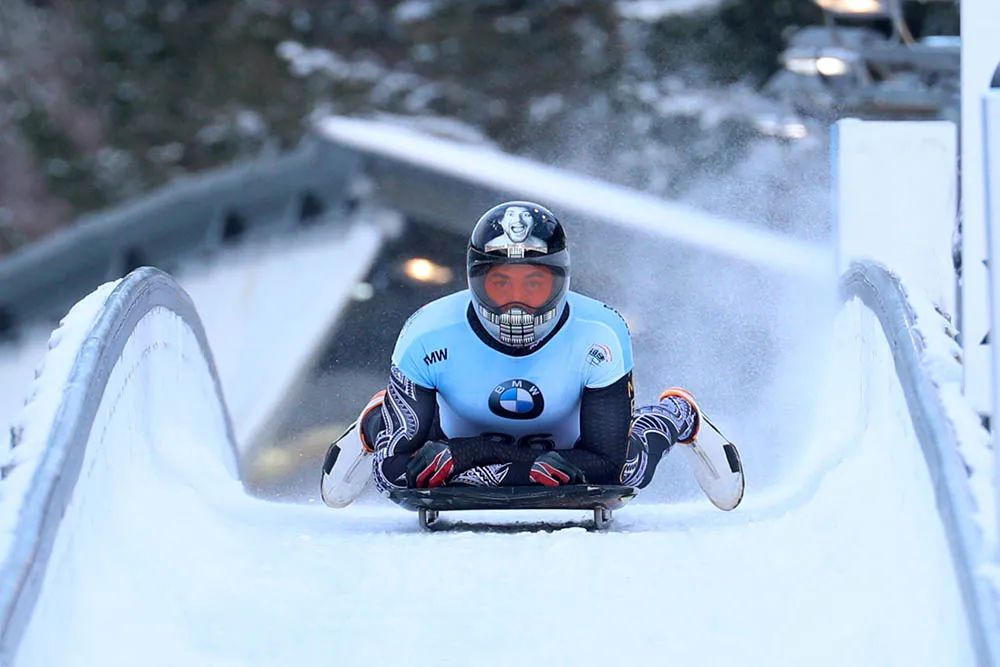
[528,285]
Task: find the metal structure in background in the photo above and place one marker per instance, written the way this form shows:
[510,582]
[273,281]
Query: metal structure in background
[198,213]
[849,67]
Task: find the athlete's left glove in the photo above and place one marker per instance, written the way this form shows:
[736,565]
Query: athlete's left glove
[430,466]
[551,469]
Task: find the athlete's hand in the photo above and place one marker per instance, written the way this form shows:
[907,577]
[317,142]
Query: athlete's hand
[430,466]
[551,469]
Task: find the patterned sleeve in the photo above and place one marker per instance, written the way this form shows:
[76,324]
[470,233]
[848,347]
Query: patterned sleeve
[407,414]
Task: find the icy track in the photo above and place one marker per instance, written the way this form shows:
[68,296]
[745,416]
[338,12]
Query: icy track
[162,559]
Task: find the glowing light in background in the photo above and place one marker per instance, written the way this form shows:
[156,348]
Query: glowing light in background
[813,65]
[423,270]
[804,66]
[856,7]
[832,66]
[783,129]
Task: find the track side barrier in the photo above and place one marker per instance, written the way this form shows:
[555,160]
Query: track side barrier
[50,448]
[270,195]
[882,292]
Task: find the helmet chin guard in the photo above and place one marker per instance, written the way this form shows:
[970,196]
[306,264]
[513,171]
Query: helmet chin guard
[518,233]
[517,327]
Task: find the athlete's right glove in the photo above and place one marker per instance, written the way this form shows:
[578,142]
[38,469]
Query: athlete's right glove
[430,466]
[551,469]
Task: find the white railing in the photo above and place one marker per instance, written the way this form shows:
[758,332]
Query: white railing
[883,294]
[147,304]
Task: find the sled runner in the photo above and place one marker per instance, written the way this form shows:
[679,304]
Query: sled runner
[429,503]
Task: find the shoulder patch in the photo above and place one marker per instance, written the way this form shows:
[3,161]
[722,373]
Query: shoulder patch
[598,354]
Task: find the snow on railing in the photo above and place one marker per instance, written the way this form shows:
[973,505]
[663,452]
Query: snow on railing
[49,444]
[953,444]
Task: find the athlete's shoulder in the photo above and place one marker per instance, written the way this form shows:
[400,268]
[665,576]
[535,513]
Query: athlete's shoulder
[590,310]
[425,338]
[437,316]
[609,345]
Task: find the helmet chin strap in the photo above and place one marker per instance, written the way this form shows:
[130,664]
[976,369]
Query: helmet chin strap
[517,326]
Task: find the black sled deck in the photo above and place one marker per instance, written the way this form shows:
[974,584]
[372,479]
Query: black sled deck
[429,503]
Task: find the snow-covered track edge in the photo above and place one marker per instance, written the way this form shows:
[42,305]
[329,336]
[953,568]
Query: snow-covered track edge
[57,467]
[56,472]
[882,292]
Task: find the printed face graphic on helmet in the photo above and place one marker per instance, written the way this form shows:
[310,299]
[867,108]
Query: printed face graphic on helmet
[525,285]
[517,223]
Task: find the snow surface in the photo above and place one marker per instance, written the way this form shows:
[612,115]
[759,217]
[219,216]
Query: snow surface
[31,429]
[160,391]
[161,548]
[162,558]
[19,361]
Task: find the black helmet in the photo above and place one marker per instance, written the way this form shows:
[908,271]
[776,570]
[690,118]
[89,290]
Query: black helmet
[518,306]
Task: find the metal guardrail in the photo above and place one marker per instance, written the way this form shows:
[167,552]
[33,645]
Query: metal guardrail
[882,293]
[23,572]
[198,212]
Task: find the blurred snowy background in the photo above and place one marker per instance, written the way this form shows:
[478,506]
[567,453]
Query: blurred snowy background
[100,102]
[722,104]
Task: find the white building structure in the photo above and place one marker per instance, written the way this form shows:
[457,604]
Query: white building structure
[980,57]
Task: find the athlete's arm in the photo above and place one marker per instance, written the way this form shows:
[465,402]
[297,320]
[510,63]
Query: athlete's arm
[481,451]
[405,427]
[407,414]
[605,414]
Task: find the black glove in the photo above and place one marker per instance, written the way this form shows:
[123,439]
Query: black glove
[430,466]
[551,469]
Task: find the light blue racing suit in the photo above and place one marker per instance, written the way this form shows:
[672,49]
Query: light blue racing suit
[450,380]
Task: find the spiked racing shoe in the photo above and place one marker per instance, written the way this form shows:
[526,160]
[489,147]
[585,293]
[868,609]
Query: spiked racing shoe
[348,463]
[712,457]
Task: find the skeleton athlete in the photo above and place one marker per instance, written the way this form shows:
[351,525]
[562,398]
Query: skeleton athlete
[514,381]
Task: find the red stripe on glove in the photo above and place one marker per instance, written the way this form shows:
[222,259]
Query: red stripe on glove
[443,473]
[547,475]
[437,471]
[428,471]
